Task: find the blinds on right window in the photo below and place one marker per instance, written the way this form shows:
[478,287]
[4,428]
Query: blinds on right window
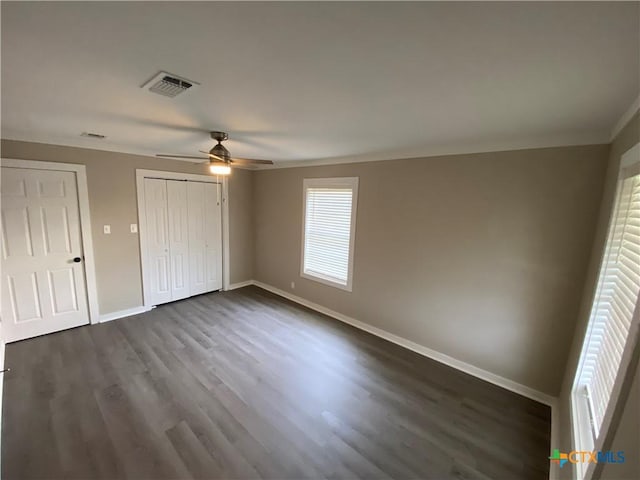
[613,309]
[329,212]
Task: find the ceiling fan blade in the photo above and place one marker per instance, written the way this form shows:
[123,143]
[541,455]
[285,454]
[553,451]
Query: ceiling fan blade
[250,161]
[215,157]
[168,155]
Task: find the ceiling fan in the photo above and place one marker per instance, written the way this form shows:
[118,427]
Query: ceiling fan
[220,159]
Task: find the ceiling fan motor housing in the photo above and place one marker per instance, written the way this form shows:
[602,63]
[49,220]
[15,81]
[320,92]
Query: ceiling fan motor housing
[219,150]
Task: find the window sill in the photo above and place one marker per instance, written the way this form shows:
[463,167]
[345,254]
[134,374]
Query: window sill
[326,281]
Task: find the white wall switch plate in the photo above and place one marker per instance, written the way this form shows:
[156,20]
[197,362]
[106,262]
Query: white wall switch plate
[134,228]
[107,229]
[293,285]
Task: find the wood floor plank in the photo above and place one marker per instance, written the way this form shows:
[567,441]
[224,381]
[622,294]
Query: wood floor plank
[245,384]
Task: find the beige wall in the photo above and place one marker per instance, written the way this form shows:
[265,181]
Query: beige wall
[481,257]
[241,228]
[112,197]
[627,138]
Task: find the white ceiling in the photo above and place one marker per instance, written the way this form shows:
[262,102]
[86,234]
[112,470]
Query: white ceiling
[307,81]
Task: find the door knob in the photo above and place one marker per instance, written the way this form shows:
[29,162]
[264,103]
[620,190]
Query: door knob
[77,259]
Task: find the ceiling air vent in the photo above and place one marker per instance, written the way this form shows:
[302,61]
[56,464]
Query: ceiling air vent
[168,84]
[93,135]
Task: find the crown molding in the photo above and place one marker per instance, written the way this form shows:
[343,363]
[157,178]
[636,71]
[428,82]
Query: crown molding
[549,141]
[593,137]
[80,142]
[92,144]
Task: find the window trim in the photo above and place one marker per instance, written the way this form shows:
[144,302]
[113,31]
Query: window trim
[334,182]
[582,438]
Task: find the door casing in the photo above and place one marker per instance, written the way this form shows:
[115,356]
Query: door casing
[85,222]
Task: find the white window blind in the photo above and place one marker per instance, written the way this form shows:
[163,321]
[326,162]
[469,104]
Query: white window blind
[329,220]
[613,308]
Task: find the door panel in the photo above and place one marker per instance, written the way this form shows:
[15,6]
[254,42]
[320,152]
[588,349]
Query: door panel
[50,188]
[213,236]
[178,238]
[162,279]
[62,291]
[16,232]
[179,284]
[16,187]
[43,290]
[24,297]
[196,203]
[54,222]
[158,270]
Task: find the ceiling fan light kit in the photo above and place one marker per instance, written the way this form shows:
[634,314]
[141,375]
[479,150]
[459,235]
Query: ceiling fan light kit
[219,168]
[220,159]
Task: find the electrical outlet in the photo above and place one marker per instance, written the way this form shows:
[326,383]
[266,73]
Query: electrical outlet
[107,229]
[134,228]
[293,285]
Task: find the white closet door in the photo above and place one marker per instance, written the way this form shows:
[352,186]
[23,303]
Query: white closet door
[178,238]
[158,270]
[213,236]
[43,281]
[196,206]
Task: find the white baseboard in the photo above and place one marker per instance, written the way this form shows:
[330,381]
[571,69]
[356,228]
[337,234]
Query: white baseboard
[421,349]
[516,387]
[107,317]
[246,283]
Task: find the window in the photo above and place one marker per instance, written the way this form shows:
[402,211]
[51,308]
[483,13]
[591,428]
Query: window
[329,218]
[609,340]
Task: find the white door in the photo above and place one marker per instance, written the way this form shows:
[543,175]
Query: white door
[197,265]
[157,271]
[43,278]
[183,239]
[178,238]
[213,236]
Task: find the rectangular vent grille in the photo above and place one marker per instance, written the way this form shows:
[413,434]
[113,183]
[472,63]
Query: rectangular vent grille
[93,135]
[168,85]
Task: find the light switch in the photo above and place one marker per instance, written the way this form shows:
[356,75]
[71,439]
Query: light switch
[134,228]
[107,229]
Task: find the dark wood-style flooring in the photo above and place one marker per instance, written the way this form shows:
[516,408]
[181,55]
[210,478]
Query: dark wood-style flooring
[245,384]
